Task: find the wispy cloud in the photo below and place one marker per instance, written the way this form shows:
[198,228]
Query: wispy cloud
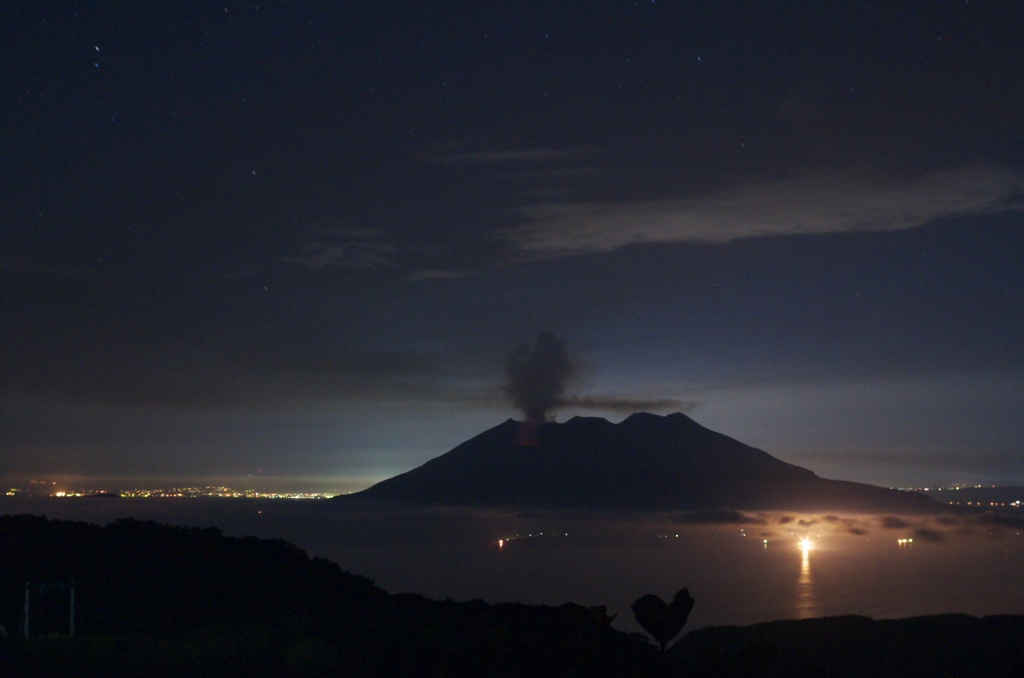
[815,205]
[257,374]
[545,171]
[358,249]
[619,404]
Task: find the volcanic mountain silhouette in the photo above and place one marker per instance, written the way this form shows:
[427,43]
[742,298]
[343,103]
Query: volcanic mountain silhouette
[645,463]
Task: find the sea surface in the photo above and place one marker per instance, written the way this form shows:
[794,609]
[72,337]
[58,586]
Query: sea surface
[741,568]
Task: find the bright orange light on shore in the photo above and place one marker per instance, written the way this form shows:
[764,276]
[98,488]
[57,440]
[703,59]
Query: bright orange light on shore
[805,545]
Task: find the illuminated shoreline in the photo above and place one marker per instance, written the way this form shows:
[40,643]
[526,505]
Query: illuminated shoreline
[205,491]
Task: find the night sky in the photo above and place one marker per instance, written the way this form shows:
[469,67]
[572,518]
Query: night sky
[303,238]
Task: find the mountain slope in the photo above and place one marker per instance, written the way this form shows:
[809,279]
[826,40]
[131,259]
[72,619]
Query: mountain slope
[645,463]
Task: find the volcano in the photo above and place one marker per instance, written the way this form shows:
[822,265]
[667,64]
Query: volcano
[645,463]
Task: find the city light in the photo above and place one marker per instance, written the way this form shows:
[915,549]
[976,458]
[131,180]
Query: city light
[45,489]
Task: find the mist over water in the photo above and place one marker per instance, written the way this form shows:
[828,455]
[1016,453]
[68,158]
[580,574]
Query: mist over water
[740,568]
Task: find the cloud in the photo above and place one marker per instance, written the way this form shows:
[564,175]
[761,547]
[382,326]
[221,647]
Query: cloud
[1000,519]
[617,404]
[353,249]
[249,378]
[717,517]
[818,205]
[894,523]
[119,346]
[534,171]
[929,535]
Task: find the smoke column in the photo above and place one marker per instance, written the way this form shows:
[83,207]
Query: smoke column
[536,376]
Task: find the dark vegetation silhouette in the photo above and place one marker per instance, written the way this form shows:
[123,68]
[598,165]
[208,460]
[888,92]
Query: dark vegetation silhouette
[663,620]
[160,600]
[948,645]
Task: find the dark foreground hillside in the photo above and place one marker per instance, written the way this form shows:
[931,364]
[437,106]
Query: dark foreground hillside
[154,600]
[852,646]
[157,600]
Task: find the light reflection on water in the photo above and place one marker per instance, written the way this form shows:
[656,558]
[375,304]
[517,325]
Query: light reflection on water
[806,605]
[738,574]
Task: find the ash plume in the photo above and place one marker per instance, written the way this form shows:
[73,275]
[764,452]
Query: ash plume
[536,376]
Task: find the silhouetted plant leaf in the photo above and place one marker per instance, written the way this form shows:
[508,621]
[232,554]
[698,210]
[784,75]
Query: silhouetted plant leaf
[663,621]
